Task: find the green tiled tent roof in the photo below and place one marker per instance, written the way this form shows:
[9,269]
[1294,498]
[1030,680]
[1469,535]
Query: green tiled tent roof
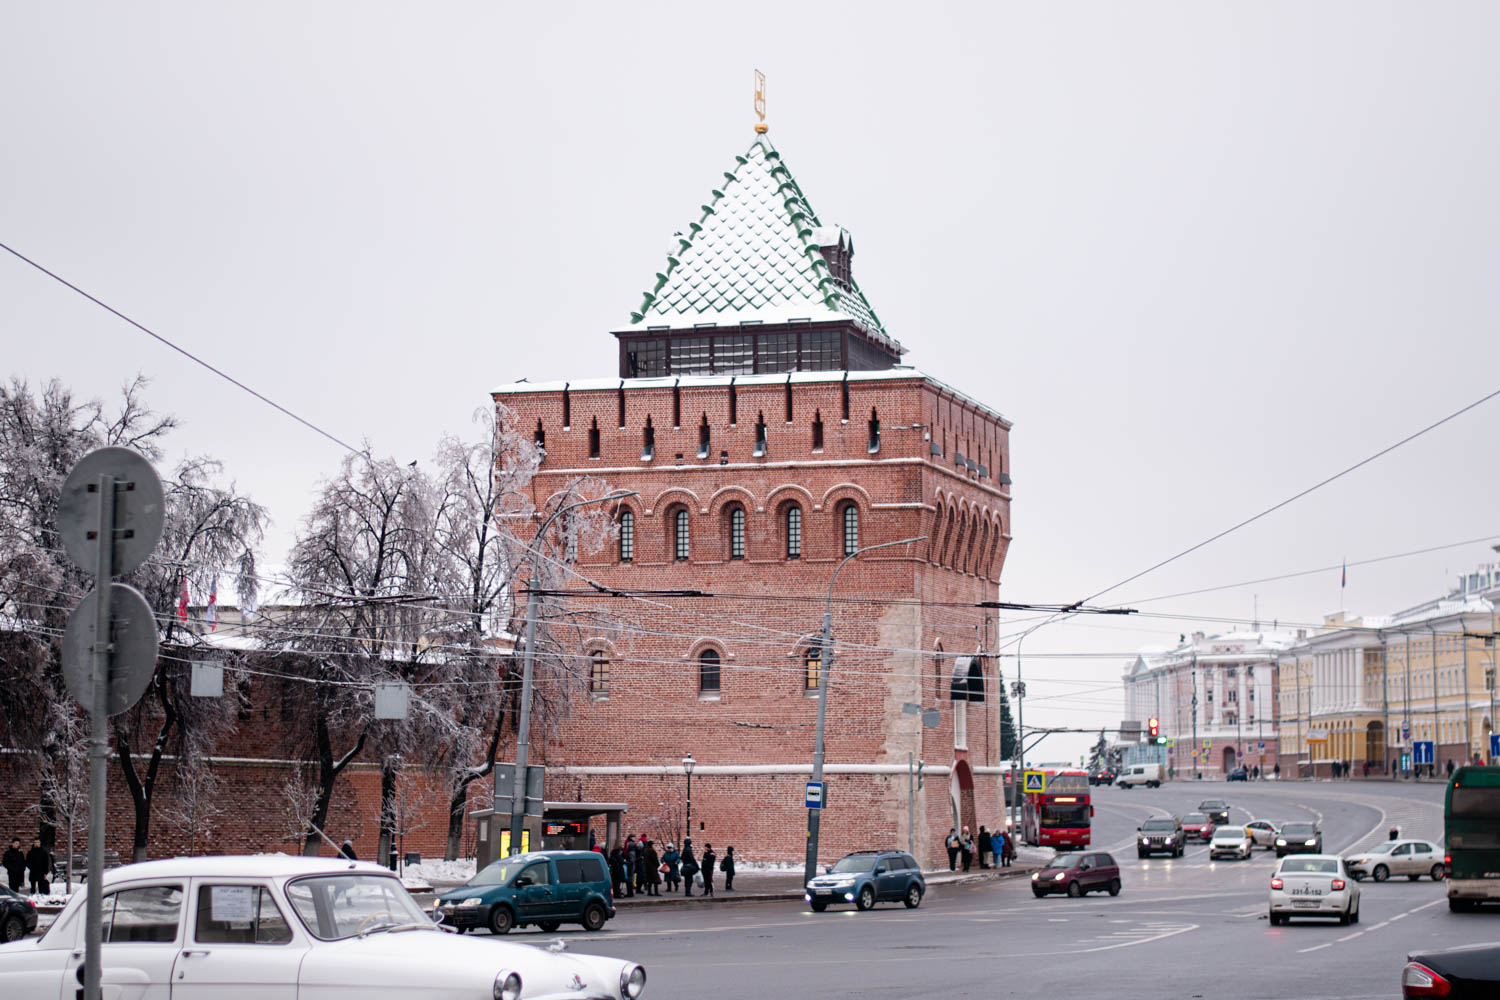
[753,254]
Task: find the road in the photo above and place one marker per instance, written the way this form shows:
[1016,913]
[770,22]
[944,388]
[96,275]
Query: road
[1185,927]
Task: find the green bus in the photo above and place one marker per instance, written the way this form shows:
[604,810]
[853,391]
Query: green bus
[1471,829]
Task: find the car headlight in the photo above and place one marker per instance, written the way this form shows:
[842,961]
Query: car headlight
[507,985]
[632,981]
[1145,840]
[1280,842]
[1035,876]
[473,901]
[1169,840]
[1309,843]
[1059,876]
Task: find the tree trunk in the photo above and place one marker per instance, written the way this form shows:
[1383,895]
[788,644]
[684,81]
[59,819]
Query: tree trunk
[387,838]
[456,822]
[328,773]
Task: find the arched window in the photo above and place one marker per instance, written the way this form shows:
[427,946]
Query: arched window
[851,529]
[627,536]
[817,431]
[703,438]
[681,547]
[708,672]
[599,676]
[737,532]
[794,531]
[812,668]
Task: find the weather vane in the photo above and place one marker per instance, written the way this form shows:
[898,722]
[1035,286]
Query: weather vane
[760,103]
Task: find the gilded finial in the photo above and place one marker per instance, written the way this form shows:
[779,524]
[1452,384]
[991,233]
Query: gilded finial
[760,103]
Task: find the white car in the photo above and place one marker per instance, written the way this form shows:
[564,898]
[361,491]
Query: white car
[1263,832]
[274,927]
[1313,885]
[1412,858]
[1230,842]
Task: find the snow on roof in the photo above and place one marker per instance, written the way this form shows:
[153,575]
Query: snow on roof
[781,378]
[754,254]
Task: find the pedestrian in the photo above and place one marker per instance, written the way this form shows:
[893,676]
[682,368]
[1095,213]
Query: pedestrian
[652,867]
[15,865]
[951,842]
[39,864]
[346,850]
[1276,771]
[709,857]
[689,867]
[997,847]
[966,848]
[1010,847]
[982,845]
[671,860]
[1450,767]
[617,871]
[727,867]
[632,859]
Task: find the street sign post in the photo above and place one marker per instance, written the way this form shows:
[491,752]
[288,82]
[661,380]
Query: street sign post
[1405,730]
[1494,745]
[110,516]
[814,795]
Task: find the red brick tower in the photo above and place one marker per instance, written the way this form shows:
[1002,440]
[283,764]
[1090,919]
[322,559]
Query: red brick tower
[765,421]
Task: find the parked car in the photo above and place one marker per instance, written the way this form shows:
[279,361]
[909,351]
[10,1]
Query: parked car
[1263,832]
[865,878]
[1197,826]
[1216,809]
[273,927]
[1078,874]
[1299,838]
[17,915]
[1149,775]
[1160,833]
[1412,858]
[1239,774]
[545,888]
[1468,973]
[1230,842]
[1316,885]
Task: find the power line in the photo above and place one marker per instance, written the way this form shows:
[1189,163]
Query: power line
[188,354]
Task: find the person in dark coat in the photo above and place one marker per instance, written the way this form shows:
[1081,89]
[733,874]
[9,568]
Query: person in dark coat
[632,861]
[689,867]
[617,871]
[673,861]
[727,867]
[709,857]
[39,864]
[951,843]
[982,846]
[15,865]
[966,848]
[651,863]
[346,850]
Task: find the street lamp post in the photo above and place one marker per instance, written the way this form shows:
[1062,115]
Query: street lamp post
[688,763]
[815,816]
[523,730]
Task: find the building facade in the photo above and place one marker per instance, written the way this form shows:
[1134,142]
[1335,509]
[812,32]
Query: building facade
[767,430]
[1215,700]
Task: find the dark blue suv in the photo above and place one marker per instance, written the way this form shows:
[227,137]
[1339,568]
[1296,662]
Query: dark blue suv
[867,877]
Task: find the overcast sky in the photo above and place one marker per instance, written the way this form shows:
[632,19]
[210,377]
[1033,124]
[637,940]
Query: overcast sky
[1202,254]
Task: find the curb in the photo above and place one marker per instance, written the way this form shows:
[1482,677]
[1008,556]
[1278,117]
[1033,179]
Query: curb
[703,902]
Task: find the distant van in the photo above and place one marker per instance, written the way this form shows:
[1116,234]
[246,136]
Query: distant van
[545,888]
[1140,774]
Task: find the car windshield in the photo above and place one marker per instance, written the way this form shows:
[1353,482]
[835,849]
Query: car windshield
[1064,815]
[1158,826]
[1211,804]
[498,873]
[855,863]
[333,907]
[1306,865]
[1194,818]
[1299,830]
[1229,833]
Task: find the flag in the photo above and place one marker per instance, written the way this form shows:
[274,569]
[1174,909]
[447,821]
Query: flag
[213,604]
[182,602]
[1344,577]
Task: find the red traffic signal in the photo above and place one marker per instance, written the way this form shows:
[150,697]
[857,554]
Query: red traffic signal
[1154,726]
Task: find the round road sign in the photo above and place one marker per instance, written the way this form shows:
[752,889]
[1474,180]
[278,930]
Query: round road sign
[133,660]
[139,509]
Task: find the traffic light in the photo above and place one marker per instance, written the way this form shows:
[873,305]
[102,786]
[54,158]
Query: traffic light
[1153,725]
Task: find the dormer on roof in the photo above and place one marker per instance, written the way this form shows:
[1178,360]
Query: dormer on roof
[757,284]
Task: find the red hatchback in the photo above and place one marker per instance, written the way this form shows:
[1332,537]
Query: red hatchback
[1197,826]
[1089,872]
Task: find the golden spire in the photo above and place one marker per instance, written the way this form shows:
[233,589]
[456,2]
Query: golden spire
[760,103]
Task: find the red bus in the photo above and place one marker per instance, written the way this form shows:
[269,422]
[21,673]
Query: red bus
[1059,817]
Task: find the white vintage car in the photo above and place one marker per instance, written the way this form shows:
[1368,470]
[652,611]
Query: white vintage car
[274,927]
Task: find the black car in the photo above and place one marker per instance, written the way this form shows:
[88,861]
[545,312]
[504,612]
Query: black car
[1458,973]
[1299,838]
[1217,809]
[1160,834]
[1239,774]
[17,915]
[1103,776]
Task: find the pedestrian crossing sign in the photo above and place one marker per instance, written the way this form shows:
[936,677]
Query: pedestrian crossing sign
[1036,781]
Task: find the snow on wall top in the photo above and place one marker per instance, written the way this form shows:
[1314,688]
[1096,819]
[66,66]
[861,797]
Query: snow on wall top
[752,255]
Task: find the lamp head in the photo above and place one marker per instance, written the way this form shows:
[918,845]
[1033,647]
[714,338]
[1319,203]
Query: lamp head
[688,763]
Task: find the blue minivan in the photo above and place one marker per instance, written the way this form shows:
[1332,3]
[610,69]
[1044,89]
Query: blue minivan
[546,888]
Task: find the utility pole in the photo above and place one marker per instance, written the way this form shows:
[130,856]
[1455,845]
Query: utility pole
[1301,744]
[1435,717]
[1196,749]
[911,803]
[1406,696]
[1385,706]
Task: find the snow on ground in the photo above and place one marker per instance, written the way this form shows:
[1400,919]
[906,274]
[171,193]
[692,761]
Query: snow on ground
[439,872]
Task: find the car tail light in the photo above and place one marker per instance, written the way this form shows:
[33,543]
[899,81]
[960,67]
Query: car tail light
[1338,884]
[1417,980]
[1276,883]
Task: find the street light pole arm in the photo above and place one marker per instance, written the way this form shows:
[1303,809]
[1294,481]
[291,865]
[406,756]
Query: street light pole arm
[860,552]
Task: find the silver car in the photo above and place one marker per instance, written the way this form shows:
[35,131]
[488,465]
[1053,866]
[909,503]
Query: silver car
[1230,842]
[1412,858]
[1313,885]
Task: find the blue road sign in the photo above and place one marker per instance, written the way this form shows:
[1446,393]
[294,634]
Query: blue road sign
[1421,752]
[1405,731]
[1262,744]
[815,795]
[1495,744]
